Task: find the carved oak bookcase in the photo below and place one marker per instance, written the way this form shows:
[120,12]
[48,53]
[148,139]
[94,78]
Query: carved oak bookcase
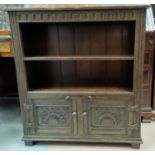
[80,72]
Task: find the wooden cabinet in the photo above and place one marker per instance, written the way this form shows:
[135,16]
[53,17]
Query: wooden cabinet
[80,72]
[83,115]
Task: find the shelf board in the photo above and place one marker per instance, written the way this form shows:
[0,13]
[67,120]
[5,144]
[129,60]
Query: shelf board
[6,55]
[72,58]
[81,90]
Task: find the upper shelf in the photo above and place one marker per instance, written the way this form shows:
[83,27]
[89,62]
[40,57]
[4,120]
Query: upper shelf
[78,39]
[72,58]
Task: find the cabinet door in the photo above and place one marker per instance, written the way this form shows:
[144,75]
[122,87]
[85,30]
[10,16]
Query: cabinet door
[56,116]
[105,116]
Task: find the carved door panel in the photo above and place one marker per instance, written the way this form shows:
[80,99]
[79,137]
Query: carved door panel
[55,117]
[103,116]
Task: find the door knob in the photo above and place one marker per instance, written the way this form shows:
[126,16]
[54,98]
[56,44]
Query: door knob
[74,113]
[67,98]
[84,113]
[90,97]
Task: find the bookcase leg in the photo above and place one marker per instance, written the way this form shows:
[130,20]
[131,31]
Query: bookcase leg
[29,143]
[135,145]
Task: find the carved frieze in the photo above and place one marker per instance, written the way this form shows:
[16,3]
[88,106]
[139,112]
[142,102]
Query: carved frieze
[78,15]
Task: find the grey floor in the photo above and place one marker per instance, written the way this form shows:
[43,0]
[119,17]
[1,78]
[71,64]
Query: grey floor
[11,133]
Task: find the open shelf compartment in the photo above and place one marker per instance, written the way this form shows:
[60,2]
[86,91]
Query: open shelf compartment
[68,75]
[78,39]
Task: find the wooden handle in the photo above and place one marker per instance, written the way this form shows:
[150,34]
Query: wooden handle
[90,97]
[74,116]
[85,122]
[84,113]
[74,113]
[67,98]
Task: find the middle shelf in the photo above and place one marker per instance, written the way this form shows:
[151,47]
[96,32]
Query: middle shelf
[64,74]
[72,58]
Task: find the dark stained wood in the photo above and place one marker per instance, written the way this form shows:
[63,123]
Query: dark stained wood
[53,44]
[74,95]
[148,77]
[71,39]
[66,46]
[86,73]
[80,90]
[82,47]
